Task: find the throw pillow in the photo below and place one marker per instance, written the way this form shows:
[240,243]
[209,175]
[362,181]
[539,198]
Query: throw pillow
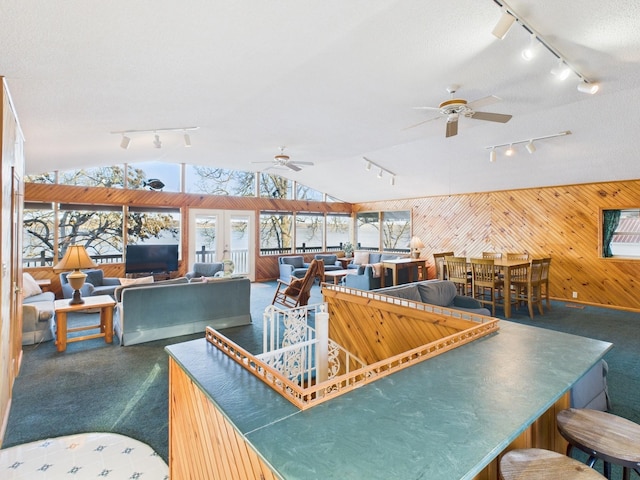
[136,281]
[29,286]
[361,258]
[294,287]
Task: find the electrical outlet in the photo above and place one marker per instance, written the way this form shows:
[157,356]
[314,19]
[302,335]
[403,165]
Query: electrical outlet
[575,294]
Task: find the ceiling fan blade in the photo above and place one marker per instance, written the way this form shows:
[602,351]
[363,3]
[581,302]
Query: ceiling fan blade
[481,102]
[452,127]
[301,163]
[420,123]
[492,117]
[264,162]
[293,167]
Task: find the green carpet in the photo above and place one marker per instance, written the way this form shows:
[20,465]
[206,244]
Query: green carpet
[96,387]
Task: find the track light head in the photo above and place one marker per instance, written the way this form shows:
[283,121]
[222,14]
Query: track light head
[124,143]
[503,25]
[531,50]
[492,155]
[509,152]
[380,174]
[187,140]
[367,167]
[561,71]
[157,143]
[392,180]
[530,147]
[588,87]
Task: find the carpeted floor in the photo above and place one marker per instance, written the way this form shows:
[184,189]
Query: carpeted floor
[97,387]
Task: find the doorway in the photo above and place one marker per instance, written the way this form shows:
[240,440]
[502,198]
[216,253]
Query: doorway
[217,235]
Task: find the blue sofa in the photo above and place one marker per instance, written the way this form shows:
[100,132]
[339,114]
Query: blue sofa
[295,266]
[171,308]
[365,278]
[95,284]
[436,292]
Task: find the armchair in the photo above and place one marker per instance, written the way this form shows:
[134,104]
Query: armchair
[205,270]
[292,266]
[330,261]
[96,284]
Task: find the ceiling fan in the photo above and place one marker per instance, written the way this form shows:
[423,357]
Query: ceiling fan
[456,107]
[284,162]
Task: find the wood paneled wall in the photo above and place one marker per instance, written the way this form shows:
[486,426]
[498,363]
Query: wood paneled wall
[561,222]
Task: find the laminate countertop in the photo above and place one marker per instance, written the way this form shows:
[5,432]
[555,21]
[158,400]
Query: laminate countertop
[445,418]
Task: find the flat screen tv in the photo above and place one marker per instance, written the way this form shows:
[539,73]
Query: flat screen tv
[151,258]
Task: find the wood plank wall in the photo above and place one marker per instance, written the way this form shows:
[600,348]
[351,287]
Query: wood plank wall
[561,222]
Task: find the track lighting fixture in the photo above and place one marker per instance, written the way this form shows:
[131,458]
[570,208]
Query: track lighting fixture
[504,25]
[564,68]
[381,170]
[157,143]
[588,87]
[124,143]
[529,145]
[531,50]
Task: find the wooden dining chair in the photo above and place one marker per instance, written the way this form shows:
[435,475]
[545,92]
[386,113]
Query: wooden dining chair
[529,290]
[458,273]
[441,266]
[493,255]
[517,256]
[487,285]
[546,266]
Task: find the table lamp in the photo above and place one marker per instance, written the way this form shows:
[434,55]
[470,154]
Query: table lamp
[415,244]
[75,258]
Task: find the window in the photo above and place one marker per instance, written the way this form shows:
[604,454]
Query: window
[307,193]
[153,225]
[368,230]
[275,186]
[338,230]
[396,230]
[112,177]
[38,229]
[276,229]
[219,181]
[309,232]
[142,175]
[621,233]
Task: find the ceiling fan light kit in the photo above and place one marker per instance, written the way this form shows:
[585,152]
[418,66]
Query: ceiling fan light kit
[529,145]
[565,67]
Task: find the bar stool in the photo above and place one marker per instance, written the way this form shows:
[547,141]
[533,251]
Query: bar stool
[538,464]
[604,436]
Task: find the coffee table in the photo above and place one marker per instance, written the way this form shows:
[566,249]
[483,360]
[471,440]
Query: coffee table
[104,302]
[338,274]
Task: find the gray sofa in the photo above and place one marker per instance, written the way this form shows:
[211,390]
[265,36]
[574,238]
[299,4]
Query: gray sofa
[436,292]
[295,266]
[365,278]
[38,318]
[95,284]
[171,308]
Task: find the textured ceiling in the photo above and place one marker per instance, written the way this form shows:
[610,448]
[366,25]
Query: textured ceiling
[333,81]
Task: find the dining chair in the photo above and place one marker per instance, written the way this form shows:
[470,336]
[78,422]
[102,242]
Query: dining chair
[517,256]
[487,285]
[546,265]
[441,267]
[529,290]
[458,273]
[493,255]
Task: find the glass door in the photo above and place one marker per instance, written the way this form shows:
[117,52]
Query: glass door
[218,235]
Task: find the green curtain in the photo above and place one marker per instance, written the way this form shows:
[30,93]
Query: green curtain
[610,220]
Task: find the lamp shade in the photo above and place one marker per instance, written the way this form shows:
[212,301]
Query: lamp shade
[75,258]
[415,242]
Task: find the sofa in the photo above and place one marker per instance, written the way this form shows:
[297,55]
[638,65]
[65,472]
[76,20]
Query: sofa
[38,313]
[205,270]
[170,308]
[436,292]
[295,266]
[95,284]
[368,265]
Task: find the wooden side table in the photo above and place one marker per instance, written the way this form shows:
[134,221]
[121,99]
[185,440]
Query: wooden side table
[104,302]
[604,436]
[399,264]
[345,261]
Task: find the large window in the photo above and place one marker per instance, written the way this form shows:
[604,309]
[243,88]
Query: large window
[274,186]
[219,181]
[276,229]
[38,234]
[112,177]
[390,231]
[338,230]
[621,233]
[368,230]
[309,232]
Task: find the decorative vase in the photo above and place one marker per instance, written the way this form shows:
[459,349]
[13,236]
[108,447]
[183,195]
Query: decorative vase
[228,267]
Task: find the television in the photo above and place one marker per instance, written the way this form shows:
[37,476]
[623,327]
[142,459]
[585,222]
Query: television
[151,258]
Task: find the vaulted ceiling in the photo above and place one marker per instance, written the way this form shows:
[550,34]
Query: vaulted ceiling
[333,81]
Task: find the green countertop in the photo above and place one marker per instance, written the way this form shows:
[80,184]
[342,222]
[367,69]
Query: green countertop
[445,418]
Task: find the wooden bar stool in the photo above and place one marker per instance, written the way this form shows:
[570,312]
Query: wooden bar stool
[604,436]
[538,464]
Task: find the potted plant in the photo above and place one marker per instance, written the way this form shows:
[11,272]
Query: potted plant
[348,249]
